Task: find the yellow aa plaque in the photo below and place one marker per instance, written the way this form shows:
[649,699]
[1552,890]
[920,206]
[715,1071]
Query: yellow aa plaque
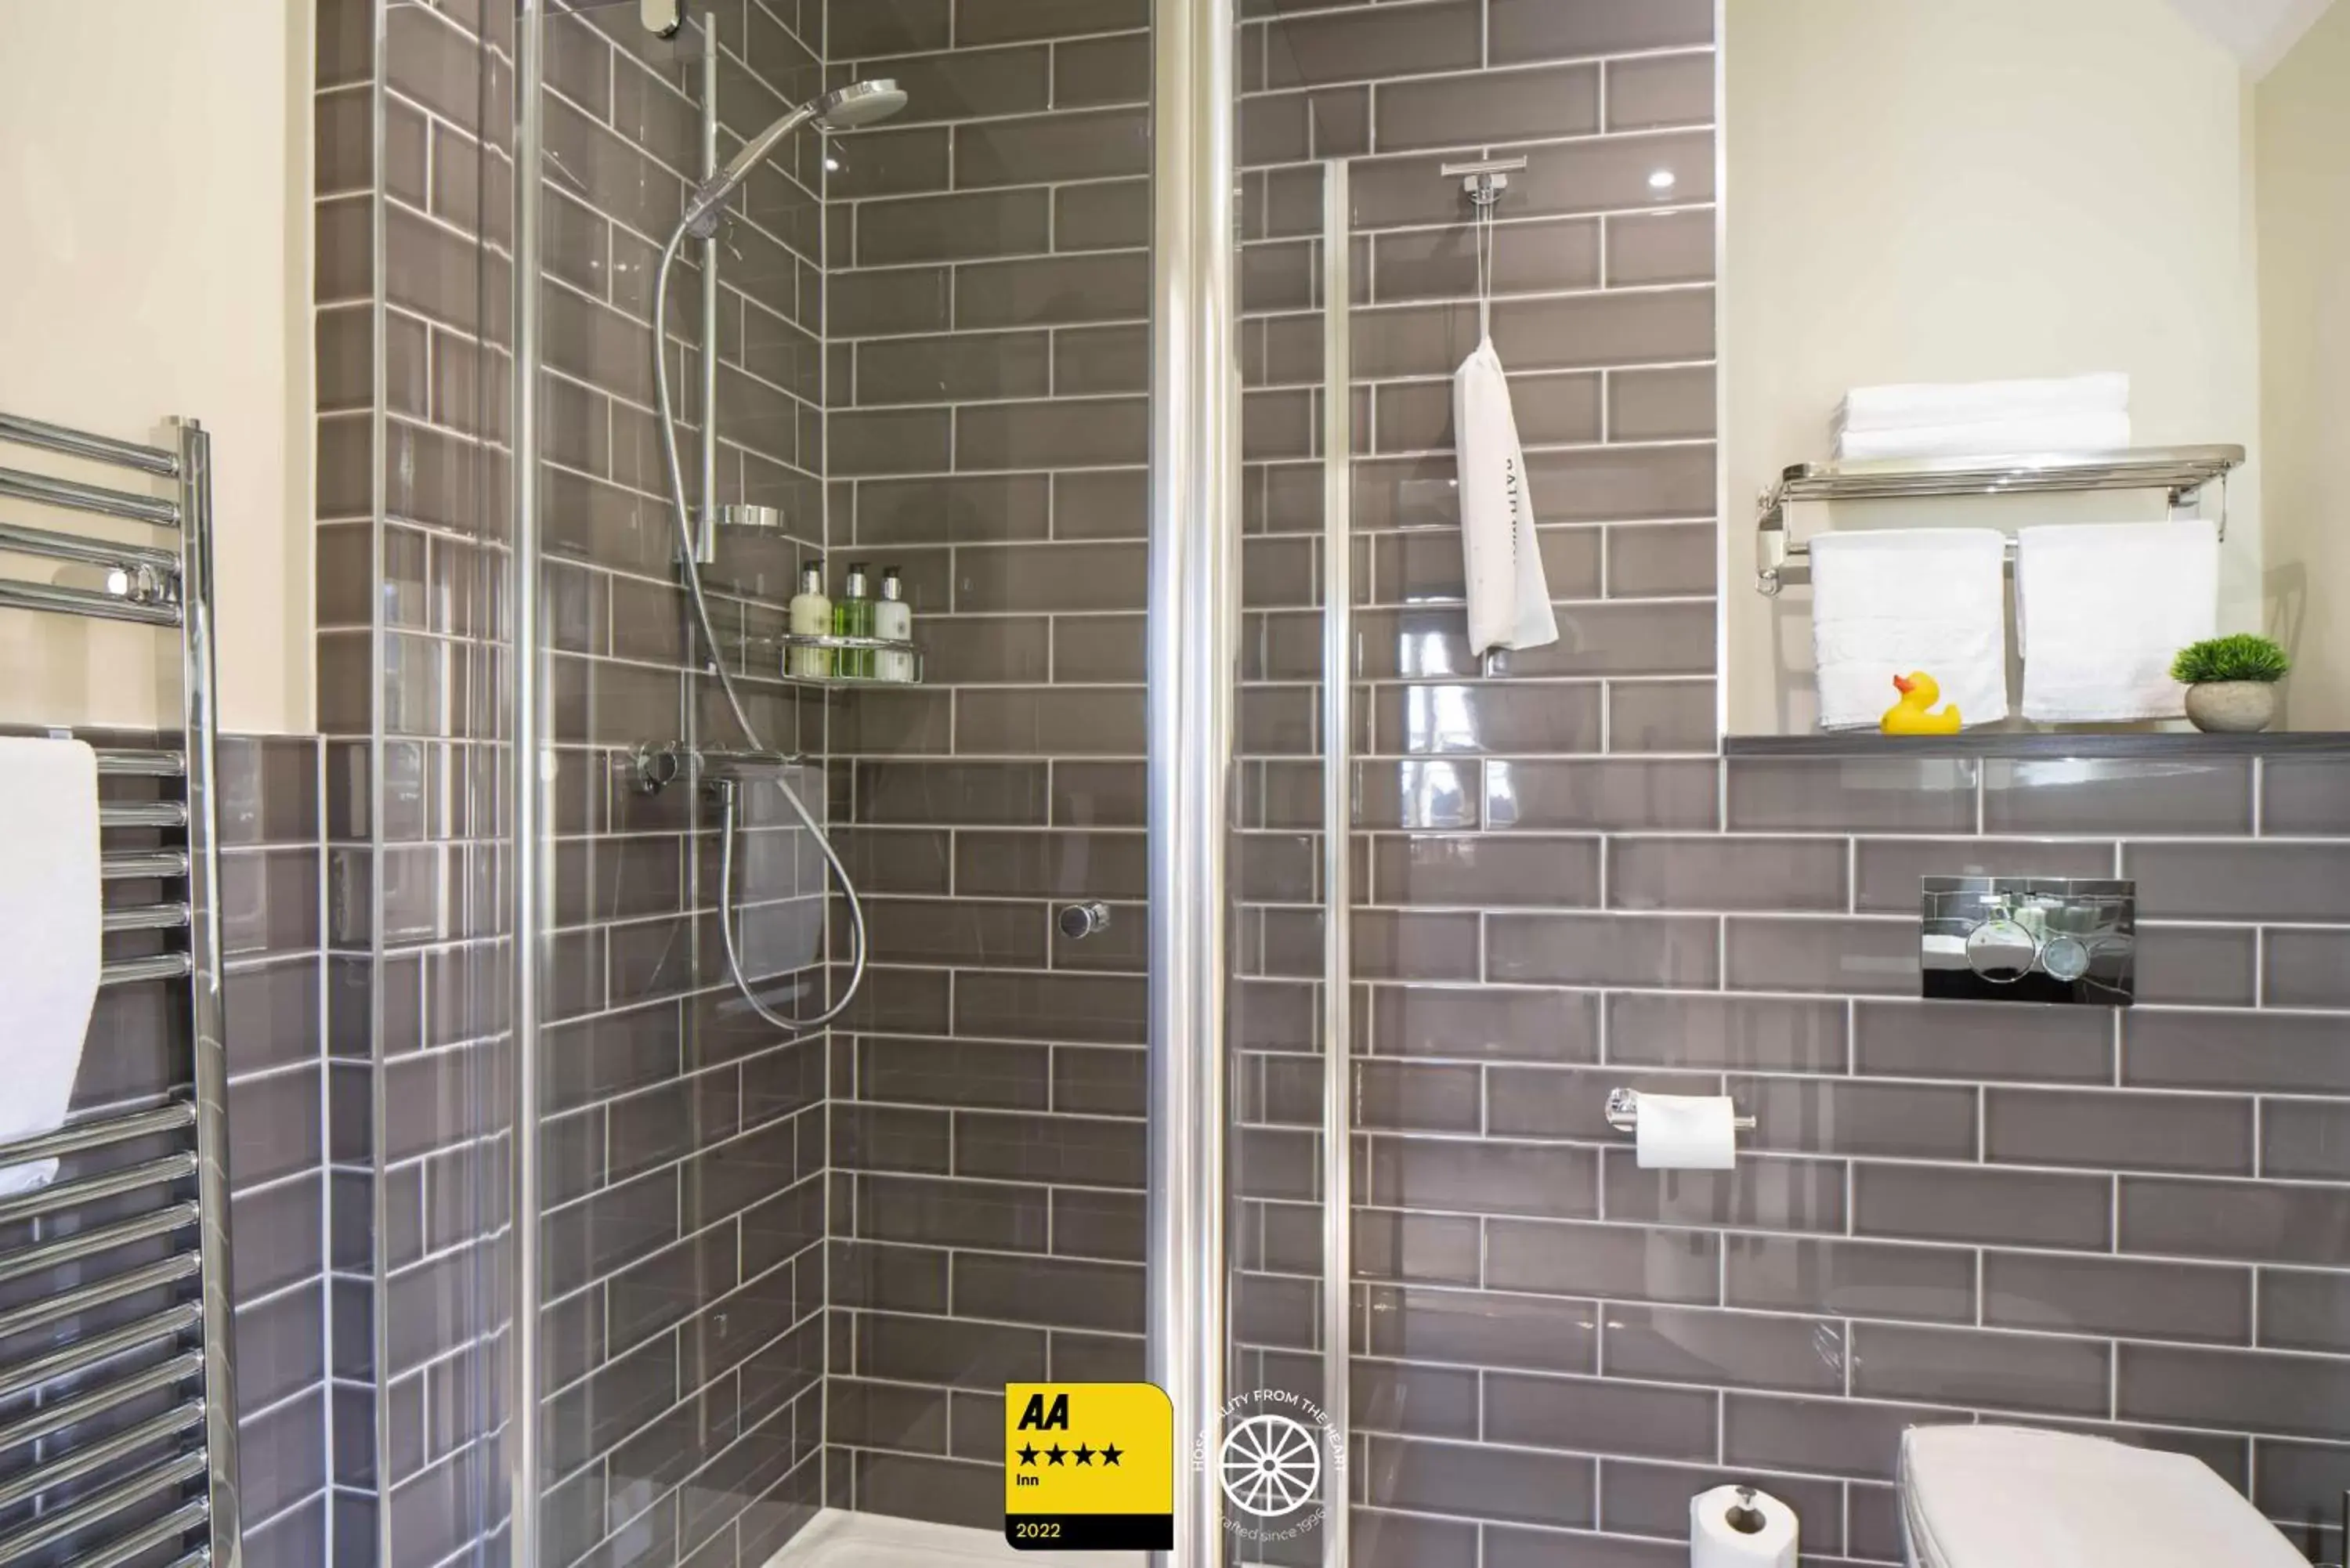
[1089,1467]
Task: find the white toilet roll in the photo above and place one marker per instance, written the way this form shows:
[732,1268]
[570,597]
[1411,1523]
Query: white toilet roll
[1739,1527]
[1686,1132]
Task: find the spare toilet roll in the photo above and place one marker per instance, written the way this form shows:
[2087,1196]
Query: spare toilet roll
[1739,1527]
[1686,1132]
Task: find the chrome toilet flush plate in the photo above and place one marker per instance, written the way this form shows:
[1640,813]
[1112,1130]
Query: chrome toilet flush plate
[2029,939]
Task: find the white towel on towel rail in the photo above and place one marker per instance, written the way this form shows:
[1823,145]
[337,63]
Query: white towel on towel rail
[49,935]
[1991,438]
[2100,610]
[1886,602]
[1909,405]
[1509,596]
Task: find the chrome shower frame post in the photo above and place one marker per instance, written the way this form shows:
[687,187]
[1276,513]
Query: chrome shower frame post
[1337,837]
[528,788]
[199,685]
[1192,636]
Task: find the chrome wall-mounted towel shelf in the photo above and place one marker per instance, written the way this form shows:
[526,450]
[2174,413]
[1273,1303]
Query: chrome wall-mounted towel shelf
[2180,472]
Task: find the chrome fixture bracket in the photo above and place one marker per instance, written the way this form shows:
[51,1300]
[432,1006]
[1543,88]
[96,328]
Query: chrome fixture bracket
[709,521]
[1624,1112]
[1485,178]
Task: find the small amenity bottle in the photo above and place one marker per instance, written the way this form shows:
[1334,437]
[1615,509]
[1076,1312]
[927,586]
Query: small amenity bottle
[811,615]
[852,617]
[893,618]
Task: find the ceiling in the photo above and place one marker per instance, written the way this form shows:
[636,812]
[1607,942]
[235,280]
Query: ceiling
[2258,31]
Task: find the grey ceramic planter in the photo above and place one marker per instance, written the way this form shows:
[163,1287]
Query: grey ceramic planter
[2231,707]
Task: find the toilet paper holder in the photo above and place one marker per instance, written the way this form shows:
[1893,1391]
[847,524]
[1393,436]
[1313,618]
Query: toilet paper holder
[1624,1112]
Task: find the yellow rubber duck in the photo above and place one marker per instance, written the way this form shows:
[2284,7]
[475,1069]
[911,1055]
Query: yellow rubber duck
[1910,716]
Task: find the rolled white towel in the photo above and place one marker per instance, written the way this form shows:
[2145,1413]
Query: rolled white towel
[1991,438]
[2100,610]
[1886,602]
[1909,405]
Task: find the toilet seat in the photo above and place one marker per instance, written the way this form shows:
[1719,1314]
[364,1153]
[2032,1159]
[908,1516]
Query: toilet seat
[2018,1496]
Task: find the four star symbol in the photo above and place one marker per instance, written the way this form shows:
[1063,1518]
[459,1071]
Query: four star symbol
[1109,1454]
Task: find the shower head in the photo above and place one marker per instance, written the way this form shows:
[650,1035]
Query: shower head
[861,103]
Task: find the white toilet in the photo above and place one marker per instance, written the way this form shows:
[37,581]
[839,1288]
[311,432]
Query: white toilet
[2017,1497]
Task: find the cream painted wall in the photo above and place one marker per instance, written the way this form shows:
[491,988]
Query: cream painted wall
[2302,116]
[154,260]
[1945,192]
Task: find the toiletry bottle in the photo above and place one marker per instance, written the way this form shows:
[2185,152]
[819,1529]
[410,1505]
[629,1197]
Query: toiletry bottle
[893,618]
[852,617]
[811,615]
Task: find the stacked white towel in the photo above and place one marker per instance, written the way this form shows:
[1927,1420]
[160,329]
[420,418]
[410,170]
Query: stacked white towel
[2100,608]
[1973,418]
[1887,602]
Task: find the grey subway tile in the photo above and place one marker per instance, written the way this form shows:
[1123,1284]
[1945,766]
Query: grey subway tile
[1761,953]
[2119,1130]
[1725,1349]
[1953,1203]
[1890,869]
[1599,1415]
[1983,1040]
[1753,1033]
[2118,797]
[2044,1374]
[2118,1296]
[1849,1278]
[1667,950]
[1616,1262]
[1536,30]
[1802,796]
[1725,874]
[2240,881]
[2238,1390]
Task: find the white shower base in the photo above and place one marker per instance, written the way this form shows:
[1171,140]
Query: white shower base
[839,1539]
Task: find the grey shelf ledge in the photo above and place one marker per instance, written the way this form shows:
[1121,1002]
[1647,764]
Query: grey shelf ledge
[2041,744]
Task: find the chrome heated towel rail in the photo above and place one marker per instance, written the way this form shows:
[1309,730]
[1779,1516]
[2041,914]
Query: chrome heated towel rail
[118,1410]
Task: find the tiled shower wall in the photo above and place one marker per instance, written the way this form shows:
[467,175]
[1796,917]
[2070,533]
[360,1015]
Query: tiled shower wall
[414,117]
[681,1277]
[989,339]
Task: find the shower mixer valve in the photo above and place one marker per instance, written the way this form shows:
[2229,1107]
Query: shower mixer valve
[651,769]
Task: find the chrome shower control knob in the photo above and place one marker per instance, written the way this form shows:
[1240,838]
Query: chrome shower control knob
[1079,921]
[2002,951]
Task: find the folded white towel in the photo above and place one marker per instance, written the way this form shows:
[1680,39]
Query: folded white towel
[49,935]
[1918,403]
[2100,608]
[1509,597]
[1884,603]
[1991,438]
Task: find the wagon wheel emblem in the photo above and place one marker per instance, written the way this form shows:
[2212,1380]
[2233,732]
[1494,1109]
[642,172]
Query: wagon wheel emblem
[1272,1465]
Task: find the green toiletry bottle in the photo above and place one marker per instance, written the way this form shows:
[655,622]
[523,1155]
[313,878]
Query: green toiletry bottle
[852,616]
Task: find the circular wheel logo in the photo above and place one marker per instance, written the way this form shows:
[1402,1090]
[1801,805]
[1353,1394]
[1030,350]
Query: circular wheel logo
[1270,1466]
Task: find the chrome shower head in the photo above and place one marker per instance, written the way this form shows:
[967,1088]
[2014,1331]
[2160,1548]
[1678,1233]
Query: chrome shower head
[861,103]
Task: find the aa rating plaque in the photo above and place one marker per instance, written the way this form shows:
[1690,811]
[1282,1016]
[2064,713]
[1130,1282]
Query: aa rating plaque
[1089,1467]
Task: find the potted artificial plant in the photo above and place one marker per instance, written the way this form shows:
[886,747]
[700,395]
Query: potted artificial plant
[2230,681]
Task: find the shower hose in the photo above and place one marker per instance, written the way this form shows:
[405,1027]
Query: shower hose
[731,794]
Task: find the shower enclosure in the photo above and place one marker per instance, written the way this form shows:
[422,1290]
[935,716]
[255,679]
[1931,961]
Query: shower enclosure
[1109,1093]
[1245,966]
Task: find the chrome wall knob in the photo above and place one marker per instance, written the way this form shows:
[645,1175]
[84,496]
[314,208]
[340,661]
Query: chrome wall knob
[1079,921]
